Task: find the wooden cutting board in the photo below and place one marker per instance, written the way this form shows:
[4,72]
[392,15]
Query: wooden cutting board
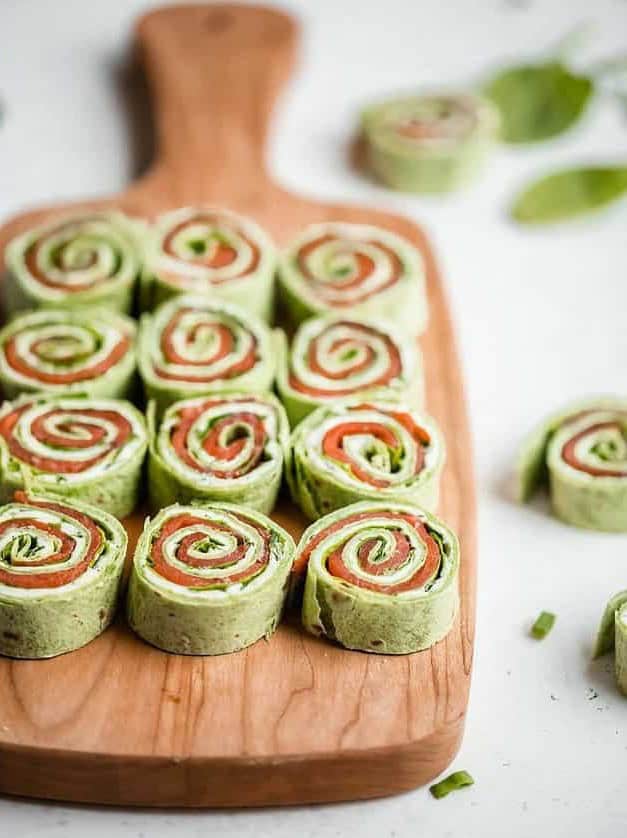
[291,720]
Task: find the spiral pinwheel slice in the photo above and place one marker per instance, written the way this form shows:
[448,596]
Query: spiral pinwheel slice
[193,346]
[208,579]
[347,452]
[226,448]
[356,270]
[612,635]
[206,250]
[60,570]
[581,452]
[334,357]
[86,448]
[77,261]
[429,143]
[61,351]
[380,577]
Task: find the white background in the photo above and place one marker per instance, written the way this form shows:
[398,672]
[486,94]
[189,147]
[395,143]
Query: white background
[540,318]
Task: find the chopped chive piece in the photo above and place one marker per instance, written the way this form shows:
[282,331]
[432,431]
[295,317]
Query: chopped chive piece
[456,780]
[543,625]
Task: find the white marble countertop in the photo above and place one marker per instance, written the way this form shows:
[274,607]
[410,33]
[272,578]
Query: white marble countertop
[540,319]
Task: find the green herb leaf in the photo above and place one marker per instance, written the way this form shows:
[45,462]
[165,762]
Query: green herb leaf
[538,101]
[543,625]
[569,193]
[455,781]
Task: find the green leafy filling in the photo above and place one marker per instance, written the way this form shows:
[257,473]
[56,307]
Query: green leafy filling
[606,450]
[198,246]
[444,549]
[24,548]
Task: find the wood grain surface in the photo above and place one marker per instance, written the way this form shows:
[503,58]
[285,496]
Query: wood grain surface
[295,719]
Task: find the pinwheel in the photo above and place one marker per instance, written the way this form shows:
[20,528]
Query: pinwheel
[194,346]
[61,351]
[81,260]
[335,357]
[430,143]
[208,579]
[225,448]
[85,448]
[60,570]
[355,270]
[380,577]
[612,634]
[205,250]
[346,452]
[582,452]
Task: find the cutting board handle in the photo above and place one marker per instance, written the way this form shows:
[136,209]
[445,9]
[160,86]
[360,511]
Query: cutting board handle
[215,72]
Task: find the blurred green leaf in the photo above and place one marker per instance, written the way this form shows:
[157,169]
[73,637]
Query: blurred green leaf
[569,193]
[538,101]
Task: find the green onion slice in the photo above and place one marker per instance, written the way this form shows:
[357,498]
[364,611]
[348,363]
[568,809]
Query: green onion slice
[543,625]
[456,780]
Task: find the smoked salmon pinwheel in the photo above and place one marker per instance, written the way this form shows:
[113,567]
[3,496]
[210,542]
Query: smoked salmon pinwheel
[612,635]
[380,577]
[194,346]
[85,448]
[204,250]
[430,143]
[81,260]
[65,350]
[355,270]
[343,453]
[208,579]
[225,448]
[581,452]
[60,570]
[338,357]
